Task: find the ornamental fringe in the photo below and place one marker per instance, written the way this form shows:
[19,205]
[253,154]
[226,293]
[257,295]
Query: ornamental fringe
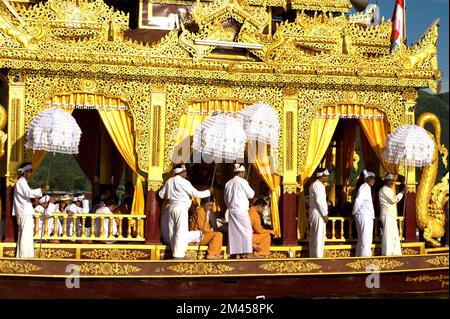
[350,116]
[86,106]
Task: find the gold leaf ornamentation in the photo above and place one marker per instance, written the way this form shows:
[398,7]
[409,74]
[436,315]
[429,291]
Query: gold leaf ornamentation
[290,266]
[381,264]
[53,253]
[279,255]
[438,261]
[336,253]
[115,254]
[443,279]
[9,253]
[200,268]
[409,251]
[107,269]
[16,267]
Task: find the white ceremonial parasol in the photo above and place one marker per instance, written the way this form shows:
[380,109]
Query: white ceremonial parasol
[260,123]
[409,145]
[54,130]
[222,137]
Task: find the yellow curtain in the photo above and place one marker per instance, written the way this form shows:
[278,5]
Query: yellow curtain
[272,181]
[376,132]
[37,158]
[321,132]
[119,126]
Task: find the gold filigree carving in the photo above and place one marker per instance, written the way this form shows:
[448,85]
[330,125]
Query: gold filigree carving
[409,251]
[336,253]
[107,269]
[115,254]
[278,255]
[322,5]
[196,254]
[381,264]
[438,261]
[443,279]
[290,189]
[88,85]
[15,267]
[290,266]
[9,253]
[200,268]
[154,185]
[48,253]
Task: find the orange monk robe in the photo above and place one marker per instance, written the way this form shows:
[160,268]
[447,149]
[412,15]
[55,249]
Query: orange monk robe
[211,238]
[261,236]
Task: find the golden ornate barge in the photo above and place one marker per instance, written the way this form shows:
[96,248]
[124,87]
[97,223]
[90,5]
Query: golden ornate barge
[315,67]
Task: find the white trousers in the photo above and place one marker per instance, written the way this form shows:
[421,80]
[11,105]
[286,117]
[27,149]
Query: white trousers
[317,231]
[390,242]
[240,233]
[364,225]
[25,243]
[179,234]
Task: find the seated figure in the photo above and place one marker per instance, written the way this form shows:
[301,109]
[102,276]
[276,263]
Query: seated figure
[261,237]
[201,221]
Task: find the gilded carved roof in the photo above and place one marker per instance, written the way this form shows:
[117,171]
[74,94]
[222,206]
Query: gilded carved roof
[318,47]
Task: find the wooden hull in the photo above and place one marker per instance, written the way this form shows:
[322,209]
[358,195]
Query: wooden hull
[143,278]
[392,285]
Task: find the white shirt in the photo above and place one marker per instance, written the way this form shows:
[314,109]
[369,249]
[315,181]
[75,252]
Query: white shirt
[388,201]
[318,198]
[22,193]
[51,208]
[179,191]
[363,202]
[106,211]
[237,194]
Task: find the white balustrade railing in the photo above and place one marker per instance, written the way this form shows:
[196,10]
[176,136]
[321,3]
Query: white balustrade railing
[79,227]
[343,229]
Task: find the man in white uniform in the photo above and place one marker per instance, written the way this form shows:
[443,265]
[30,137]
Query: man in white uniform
[24,211]
[318,214]
[364,213]
[237,195]
[175,225]
[390,242]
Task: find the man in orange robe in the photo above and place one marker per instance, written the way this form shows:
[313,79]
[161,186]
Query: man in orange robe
[261,237]
[201,221]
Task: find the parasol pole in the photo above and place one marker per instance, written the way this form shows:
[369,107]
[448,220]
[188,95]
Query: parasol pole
[207,219]
[406,189]
[43,219]
[248,172]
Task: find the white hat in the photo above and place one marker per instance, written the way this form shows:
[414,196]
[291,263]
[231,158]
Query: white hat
[239,168]
[389,176]
[44,199]
[180,169]
[324,173]
[79,198]
[368,174]
[64,197]
[25,168]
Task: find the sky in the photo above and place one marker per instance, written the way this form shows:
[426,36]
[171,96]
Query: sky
[419,15]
